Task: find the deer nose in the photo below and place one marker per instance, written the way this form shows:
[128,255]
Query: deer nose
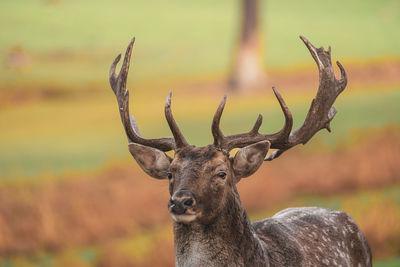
[181,201]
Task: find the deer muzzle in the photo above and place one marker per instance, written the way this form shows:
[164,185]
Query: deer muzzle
[183,201]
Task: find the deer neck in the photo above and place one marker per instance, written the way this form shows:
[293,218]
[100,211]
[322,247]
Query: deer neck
[228,241]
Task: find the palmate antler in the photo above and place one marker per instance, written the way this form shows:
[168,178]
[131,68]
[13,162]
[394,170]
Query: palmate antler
[320,114]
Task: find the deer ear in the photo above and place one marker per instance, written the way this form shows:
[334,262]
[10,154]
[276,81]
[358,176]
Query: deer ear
[153,161]
[248,159]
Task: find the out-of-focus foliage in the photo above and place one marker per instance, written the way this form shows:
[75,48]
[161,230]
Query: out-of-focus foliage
[72,42]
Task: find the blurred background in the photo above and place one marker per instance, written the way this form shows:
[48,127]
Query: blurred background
[70,193]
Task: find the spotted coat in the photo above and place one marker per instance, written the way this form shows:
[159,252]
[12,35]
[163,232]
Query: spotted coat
[313,236]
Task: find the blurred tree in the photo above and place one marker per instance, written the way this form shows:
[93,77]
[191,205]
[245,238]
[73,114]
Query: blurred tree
[247,68]
[53,2]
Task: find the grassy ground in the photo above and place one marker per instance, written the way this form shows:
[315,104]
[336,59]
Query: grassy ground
[388,263]
[47,137]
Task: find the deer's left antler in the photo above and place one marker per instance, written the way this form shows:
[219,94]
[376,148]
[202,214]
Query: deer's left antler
[319,116]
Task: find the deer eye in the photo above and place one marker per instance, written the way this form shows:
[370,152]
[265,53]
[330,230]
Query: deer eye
[169,175]
[222,175]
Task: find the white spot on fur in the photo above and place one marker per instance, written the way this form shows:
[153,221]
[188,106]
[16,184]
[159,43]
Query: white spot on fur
[350,229]
[326,239]
[315,235]
[359,236]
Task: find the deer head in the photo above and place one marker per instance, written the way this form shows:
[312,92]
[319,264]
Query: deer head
[202,180]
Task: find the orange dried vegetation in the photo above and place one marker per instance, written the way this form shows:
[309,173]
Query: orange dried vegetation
[95,208]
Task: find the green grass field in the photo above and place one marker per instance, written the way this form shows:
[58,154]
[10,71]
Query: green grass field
[388,263]
[73,42]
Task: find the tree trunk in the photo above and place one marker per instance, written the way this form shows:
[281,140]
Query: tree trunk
[247,69]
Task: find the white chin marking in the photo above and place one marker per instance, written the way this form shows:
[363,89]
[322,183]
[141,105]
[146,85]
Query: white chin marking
[183,218]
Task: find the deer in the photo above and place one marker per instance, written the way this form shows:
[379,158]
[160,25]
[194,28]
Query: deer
[211,228]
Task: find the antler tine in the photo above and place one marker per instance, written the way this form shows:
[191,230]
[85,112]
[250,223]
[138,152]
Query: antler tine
[215,129]
[113,76]
[180,140]
[321,111]
[279,139]
[118,85]
[283,135]
[343,77]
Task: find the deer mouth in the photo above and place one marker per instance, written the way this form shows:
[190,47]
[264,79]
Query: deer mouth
[182,214]
[182,206]
[183,218]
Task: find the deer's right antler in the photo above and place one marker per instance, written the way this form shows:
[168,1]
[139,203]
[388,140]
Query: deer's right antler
[118,85]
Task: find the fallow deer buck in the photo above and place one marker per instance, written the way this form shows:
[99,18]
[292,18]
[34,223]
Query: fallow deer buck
[211,228]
